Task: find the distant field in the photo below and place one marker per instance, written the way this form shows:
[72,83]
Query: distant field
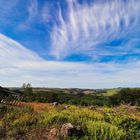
[111,92]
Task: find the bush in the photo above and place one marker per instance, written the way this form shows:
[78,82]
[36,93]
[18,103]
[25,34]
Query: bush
[127,96]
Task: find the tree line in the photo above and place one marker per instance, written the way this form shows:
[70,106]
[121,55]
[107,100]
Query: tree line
[124,96]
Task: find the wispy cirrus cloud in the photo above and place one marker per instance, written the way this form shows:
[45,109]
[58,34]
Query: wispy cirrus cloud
[32,10]
[19,65]
[103,28]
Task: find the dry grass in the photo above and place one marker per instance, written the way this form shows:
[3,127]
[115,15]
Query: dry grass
[38,107]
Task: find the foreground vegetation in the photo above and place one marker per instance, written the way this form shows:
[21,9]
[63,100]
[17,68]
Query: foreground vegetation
[101,123]
[113,115]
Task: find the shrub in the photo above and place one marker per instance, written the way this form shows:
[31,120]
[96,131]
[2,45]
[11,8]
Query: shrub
[102,131]
[127,96]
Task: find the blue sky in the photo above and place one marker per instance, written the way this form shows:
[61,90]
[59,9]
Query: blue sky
[70,43]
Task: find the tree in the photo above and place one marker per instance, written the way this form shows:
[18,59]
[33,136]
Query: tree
[27,88]
[24,86]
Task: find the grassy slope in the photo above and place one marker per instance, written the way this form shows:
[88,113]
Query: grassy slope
[111,92]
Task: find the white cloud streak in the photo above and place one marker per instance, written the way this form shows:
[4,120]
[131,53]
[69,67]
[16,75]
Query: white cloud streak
[32,10]
[87,27]
[19,65]
[36,14]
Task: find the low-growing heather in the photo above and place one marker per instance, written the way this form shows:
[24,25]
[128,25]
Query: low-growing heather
[99,123]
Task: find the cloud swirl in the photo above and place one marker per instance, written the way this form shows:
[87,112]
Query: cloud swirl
[91,29]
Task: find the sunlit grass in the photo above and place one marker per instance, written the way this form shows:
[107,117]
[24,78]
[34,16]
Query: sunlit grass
[100,123]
